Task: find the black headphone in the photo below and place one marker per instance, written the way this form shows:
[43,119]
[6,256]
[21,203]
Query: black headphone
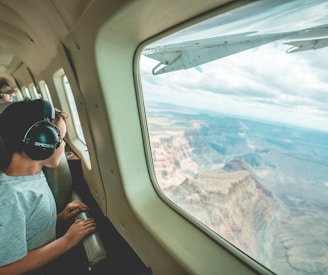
[43,138]
[1,95]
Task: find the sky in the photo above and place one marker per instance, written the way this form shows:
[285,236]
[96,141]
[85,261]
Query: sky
[262,83]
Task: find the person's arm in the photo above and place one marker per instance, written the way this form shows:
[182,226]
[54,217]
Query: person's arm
[37,258]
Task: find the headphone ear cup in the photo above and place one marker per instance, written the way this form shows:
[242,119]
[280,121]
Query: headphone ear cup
[1,95]
[41,141]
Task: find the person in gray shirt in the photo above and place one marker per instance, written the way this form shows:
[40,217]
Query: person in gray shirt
[33,132]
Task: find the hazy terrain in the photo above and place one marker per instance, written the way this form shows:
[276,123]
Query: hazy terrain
[263,187]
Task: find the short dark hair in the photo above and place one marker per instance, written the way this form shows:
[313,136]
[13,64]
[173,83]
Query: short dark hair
[16,119]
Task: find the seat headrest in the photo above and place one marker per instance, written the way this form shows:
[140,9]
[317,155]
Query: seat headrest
[4,154]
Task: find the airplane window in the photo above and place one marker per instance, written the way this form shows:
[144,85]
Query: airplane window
[36,94]
[72,106]
[19,95]
[27,93]
[45,91]
[237,122]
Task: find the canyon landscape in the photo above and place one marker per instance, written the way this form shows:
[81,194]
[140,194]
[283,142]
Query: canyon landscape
[261,186]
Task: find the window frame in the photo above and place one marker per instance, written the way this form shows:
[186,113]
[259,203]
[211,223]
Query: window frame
[149,157]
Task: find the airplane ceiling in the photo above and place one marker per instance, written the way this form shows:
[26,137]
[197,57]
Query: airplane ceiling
[31,30]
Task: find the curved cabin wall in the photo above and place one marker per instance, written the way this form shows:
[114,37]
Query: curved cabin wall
[165,241]
[22,75]
[99,62]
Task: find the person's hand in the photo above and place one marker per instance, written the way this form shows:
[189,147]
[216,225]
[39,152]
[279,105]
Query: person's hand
[79,230]
[72,209]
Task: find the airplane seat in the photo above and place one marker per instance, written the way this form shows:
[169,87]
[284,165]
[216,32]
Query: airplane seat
[60,183]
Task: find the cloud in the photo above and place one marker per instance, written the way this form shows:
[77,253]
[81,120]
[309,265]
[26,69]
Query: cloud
[263,82]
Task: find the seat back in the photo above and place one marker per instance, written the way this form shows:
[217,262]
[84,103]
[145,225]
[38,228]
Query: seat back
[60,182]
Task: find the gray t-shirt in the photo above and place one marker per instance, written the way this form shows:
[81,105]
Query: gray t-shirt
[27,215]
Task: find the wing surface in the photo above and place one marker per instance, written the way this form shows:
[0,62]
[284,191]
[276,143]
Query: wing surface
[192,53]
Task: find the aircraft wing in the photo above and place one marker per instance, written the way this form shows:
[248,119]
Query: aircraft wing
[189,54]
[304,45]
